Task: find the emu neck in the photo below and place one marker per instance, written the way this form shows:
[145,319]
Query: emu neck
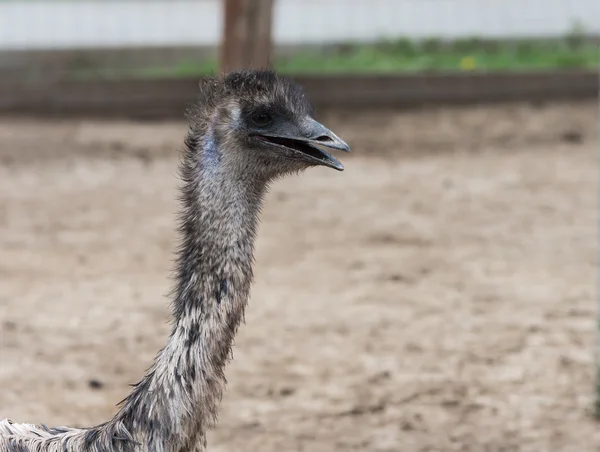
[175,404]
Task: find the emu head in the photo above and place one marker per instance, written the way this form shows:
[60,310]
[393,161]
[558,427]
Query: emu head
[260,125]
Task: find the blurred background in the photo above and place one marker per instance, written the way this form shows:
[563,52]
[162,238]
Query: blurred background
[436,296]
[128,47]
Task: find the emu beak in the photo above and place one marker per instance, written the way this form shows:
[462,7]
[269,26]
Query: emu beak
[319,134]
[316,134]
[306,138]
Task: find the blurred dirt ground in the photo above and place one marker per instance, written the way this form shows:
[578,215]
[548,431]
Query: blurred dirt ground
[436,296]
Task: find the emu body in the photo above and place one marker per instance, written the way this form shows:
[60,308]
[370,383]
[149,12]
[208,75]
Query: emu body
[247,129]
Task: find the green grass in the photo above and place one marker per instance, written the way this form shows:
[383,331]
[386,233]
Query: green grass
[405,56]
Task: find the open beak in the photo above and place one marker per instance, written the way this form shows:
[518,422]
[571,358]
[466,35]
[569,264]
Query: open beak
[307,139]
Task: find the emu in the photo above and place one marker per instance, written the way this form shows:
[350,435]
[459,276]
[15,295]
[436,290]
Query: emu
[246,129]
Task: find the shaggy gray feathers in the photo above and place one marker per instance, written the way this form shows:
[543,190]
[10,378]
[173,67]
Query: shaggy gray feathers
[175,403]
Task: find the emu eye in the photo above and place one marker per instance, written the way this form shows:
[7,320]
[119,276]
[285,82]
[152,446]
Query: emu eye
[261,119]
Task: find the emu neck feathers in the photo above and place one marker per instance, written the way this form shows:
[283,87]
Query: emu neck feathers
[177,401]
[172,407]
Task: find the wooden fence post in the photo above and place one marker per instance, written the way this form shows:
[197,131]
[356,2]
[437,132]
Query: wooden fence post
[247,34]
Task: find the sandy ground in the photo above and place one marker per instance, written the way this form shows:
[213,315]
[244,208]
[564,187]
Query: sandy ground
[436,296]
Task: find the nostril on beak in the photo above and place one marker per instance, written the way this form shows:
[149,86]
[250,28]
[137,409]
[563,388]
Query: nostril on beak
[324,139]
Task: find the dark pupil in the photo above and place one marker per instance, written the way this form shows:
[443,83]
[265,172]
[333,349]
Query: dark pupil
[261,119]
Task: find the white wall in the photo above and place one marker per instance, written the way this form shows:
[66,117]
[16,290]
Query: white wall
[95,23]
